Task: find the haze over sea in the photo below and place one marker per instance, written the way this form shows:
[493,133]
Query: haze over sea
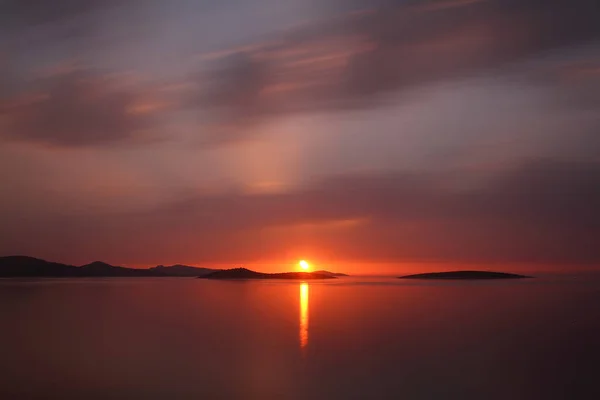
[349,338]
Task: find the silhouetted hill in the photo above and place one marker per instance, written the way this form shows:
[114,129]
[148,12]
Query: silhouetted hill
[466,275]
[243,273]
[329,273]
[22,266]
[182,270]
[102,269]
[29,267]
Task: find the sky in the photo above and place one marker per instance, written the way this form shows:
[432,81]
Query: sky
[261,132]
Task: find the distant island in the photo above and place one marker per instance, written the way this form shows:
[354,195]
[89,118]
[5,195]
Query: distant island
[30,267]
[464,275]
[244,273]
[329,273]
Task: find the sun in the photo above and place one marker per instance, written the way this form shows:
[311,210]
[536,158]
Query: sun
[304,265]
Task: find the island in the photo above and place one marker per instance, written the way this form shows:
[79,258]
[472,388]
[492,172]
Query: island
[244,273]
[336,274]
[464,275]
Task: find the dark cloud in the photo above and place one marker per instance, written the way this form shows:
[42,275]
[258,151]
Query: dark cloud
[26,12]
[236,87]
[541,212]
[580,84]
[76,108]
[351,60]
[48,31]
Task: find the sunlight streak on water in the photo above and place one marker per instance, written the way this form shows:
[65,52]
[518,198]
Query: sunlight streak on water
[303,315]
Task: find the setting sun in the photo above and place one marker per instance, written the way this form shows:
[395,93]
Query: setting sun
[304,265]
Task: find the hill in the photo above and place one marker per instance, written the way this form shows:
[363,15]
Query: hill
[21,266]
[182,270]
[102,269]
[243,273]
[329,273]
[464,275]
[30,267]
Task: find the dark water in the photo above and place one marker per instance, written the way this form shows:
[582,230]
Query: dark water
[349,338]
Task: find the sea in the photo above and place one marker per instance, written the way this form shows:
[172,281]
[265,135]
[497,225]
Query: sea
[345,338]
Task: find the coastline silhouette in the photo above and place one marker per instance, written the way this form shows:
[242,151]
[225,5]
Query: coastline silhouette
[23,267]
[30,267]
[244,273]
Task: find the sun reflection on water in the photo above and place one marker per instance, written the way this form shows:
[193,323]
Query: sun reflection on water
[303,315]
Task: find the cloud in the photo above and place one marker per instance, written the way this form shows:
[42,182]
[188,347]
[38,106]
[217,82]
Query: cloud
[237,83]
[355,59]
[76,108]
[540,212]
[40,11]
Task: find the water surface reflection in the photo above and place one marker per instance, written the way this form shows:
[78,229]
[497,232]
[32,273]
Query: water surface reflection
[185,339]
[303,315]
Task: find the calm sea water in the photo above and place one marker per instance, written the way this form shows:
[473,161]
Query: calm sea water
[352,338]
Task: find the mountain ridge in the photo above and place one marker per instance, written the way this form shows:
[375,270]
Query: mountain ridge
[25,266]
[31,267]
